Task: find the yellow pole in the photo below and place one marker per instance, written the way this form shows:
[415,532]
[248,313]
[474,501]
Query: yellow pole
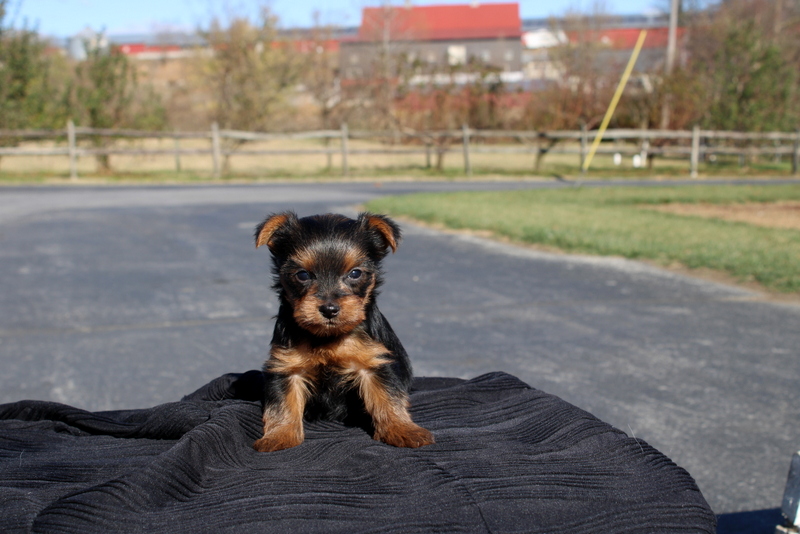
[615,100]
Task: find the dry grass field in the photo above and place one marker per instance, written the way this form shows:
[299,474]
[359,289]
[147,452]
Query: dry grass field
[785,214]
[298,161]
[240,163]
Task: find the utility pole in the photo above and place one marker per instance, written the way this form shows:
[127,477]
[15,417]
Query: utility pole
[387,16]
[672,45]
[778,17]
[672,37]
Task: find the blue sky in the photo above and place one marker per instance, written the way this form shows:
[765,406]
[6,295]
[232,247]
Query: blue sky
[66,17]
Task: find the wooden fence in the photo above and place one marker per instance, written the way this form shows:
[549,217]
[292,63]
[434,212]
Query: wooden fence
[694,145]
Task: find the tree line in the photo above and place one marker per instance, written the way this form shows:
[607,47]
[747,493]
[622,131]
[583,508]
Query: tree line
[737,70]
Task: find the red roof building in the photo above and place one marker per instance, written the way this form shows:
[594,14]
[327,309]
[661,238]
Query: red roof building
[442,22]
[435,38]
[625,38]
[148,51]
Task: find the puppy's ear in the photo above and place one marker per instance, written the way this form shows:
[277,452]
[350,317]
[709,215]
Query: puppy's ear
[267,232]
[384,227]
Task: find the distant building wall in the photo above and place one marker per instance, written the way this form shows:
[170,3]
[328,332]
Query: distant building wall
[358,59]
[434,38]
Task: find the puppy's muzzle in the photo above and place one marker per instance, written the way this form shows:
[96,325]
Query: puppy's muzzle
[329,310]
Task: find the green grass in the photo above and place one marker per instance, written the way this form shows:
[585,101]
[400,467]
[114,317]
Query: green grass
[616,222]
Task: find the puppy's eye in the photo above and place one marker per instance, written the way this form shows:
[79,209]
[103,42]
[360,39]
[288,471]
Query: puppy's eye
[355,274]
[303,276]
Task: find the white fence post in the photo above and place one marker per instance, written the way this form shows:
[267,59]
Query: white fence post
[427,154]
[345,136]
[584,146]
[695,158]
[216,150]
[177,151]
[328,155]
[467,165]
[73,151]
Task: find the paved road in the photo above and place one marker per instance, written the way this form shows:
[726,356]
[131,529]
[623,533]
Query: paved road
[128,297]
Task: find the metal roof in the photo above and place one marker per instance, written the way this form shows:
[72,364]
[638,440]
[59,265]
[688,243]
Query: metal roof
[441,22]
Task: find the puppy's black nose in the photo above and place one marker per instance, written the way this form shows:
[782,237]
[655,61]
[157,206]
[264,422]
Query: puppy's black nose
[329,310]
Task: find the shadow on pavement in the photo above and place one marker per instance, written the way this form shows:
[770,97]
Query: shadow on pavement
[755,522]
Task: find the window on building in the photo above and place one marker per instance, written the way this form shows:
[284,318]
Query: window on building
[456,55]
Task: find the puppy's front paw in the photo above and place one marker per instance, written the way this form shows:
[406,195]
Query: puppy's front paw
[277,440]
[410,435]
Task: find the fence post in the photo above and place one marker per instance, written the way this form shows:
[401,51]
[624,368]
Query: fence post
[216,150]
[427,155]
[645,152]
[345,137]
[796,153]
[73,152]
[177,152]
[328,155]
[695,158]
[584,145]
[467,166]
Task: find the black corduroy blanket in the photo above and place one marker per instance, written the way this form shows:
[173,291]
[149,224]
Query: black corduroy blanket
[508,458]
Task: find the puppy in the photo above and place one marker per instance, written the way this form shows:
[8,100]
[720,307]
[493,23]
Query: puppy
[334,355]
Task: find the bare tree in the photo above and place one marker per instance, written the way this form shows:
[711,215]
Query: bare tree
[249,72]
[371,98]
[320,73]
[588,75]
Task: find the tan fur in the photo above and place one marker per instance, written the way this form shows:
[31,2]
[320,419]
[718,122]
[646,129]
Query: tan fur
[336,345]
[381,226]
[351,314]
[356,357]
[346,354]
[283,425]
[390,417]
[351,311]
[269,228]
[306,259]
[352,259]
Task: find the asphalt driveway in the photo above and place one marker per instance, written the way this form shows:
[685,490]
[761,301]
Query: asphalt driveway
[118,297]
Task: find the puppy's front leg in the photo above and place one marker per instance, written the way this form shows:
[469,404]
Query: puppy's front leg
[389,411]
[283,415]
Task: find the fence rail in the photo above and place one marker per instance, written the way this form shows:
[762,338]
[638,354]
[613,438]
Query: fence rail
[693,144]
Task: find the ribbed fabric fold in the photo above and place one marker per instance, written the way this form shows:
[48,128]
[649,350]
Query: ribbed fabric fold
[507,458]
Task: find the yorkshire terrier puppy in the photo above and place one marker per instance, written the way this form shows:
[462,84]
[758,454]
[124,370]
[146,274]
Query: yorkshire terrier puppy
[334,355]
